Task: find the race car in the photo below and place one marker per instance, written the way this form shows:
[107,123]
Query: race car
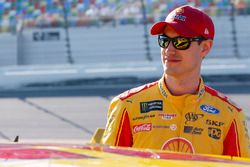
[93,154]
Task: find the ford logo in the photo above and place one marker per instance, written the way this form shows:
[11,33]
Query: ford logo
[209,109]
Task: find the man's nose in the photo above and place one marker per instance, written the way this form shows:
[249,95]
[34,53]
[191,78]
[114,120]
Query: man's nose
[170,49]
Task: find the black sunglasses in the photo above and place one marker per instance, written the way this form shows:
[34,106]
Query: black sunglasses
[180,43]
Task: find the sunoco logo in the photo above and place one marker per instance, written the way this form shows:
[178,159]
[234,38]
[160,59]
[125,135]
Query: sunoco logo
[142,127]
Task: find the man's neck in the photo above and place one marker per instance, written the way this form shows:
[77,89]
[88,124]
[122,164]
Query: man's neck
[182,85]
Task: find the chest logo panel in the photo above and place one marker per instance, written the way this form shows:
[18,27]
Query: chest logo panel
[209,109]
[142,128]
[214,133]
[156,105]
[192,117]
[167,116]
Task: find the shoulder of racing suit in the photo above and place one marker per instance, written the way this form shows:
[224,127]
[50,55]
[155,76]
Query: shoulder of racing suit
[223,97]
[135,90]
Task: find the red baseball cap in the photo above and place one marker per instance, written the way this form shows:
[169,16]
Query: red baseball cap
[187,21]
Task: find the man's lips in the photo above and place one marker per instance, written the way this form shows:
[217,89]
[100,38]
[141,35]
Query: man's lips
[172,60]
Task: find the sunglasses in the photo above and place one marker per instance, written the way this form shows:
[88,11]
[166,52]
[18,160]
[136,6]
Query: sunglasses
[180,43]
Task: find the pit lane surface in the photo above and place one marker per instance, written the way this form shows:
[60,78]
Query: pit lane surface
[71,115]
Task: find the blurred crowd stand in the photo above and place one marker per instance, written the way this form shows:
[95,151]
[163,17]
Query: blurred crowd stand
[49,13]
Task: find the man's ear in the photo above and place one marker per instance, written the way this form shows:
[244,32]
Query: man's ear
[206,46]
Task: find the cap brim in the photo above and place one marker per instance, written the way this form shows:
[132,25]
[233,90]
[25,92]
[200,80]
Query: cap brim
[159,27]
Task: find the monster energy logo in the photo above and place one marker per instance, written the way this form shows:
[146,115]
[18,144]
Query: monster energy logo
[151,106]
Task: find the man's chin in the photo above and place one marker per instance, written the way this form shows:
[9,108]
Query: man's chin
[171,73]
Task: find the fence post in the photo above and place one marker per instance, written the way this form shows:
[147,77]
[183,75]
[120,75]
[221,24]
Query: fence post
[148,55]
[66,28]
[19,35]
[234,32]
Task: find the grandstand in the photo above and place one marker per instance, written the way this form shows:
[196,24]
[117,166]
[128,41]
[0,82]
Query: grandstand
[49,13]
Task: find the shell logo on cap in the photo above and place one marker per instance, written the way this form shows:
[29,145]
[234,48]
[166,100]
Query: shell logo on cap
[178,15]
[179,11]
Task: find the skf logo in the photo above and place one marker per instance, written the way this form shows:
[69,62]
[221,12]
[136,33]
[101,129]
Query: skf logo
[192,117]
[214,123]
[151,106]
[214,133]
[142,127]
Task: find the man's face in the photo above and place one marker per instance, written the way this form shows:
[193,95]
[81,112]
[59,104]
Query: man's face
[181,63]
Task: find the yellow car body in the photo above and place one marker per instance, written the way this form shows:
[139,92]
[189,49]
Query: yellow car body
[91,155]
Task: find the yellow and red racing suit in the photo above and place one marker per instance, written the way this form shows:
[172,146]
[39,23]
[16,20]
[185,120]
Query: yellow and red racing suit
[150,117]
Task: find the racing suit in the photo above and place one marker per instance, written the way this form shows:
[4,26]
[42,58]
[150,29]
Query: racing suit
[146,117]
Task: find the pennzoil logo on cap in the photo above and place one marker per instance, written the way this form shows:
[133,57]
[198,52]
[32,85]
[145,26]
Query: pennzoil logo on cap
[178,14]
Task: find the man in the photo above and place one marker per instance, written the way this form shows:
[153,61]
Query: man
[179,112]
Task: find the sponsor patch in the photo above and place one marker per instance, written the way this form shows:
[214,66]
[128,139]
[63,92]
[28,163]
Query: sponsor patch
[202,91]
[245,128]
[214,133]
[230,108]
[206,31]
[142,128]
[178,144]
[111,119]
[192,117]
[129,101]
[155,105]
[164,93]
[172,127]
[214,123]
[143,117]
[193,130]
[167,116]
[179,17]
[209,109]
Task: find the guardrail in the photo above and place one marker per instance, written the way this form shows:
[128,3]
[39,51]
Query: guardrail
[121,43]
